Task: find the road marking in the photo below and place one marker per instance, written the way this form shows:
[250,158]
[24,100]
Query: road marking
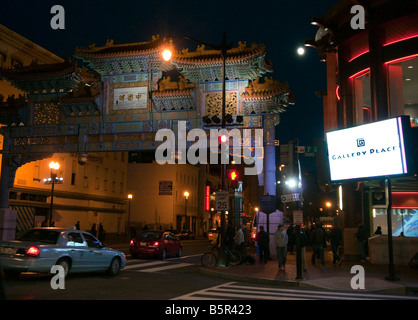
[171,266]
[146,264]
[233,290]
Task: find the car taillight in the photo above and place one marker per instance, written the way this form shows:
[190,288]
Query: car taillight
[155,244]
[253,235]
[32,251]
[210,234]
[131,243]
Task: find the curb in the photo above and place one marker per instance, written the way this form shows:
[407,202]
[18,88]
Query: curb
[403,289]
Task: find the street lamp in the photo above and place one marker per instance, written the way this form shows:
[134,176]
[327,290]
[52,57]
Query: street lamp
[130,197]
[54,166]
[186,197]
[224,49]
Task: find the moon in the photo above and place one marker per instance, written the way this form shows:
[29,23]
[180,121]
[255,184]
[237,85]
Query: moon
[301,51]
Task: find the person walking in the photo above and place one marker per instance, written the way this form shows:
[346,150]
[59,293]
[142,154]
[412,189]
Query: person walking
[263,243]
[292,238]
[77,225]
[362,241]
[101,233]
[281,241]
[93,230]
[318,241]
[335,238]
[246,233]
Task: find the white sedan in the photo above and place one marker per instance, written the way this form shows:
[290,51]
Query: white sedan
[39,249]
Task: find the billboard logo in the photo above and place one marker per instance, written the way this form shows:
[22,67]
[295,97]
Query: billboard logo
[361,142]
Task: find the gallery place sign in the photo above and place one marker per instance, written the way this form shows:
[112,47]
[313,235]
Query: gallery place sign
[369,150]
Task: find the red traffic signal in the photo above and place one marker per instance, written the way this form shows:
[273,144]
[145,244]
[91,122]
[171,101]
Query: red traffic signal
[223,138]
[234,176]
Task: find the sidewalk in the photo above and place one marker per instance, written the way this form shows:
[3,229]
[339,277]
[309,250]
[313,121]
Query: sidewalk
[328,277]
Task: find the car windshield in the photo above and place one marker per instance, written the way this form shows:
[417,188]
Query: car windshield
[149,235]
[40,235]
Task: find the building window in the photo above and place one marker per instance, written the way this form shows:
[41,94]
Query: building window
[403,93]
[362,99]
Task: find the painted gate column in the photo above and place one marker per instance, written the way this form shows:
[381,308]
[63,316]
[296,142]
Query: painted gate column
[269,156]
[8,217]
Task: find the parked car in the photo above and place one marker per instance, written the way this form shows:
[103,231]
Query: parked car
[213,235]
[39,249]
[155,243]
[175,232]
[187,235]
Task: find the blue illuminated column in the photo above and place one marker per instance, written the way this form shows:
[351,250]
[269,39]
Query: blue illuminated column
[269,156]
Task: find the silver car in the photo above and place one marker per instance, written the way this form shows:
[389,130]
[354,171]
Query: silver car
[39,249]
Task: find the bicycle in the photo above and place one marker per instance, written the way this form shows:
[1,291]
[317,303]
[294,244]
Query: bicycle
[210,259]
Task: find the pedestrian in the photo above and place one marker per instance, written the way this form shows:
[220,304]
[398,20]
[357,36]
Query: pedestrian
[240,243]
[281,241]
[93,230]
[77,225]
[318,241]
[362,241]
[229,236]
[335,238]
[378,230]
[292,238]
[101,233]
[262,243]
[246,233]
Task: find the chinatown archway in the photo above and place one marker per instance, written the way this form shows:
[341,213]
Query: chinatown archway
[117,97]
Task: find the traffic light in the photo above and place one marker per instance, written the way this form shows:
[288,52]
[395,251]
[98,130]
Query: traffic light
[233,178]
[223,140]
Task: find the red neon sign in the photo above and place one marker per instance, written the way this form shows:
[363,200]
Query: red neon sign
[207,198]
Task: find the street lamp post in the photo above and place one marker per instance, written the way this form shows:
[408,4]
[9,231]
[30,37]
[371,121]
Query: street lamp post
[130,197]
[224,49]
[54,166]
[186,197]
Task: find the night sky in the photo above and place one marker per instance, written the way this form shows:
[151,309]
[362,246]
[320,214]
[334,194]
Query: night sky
[282,25]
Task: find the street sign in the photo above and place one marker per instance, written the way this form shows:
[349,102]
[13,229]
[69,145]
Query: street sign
[267,204]
[222,201]
[291,197]
[297,217]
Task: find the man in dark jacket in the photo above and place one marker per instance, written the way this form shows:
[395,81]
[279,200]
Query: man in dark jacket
[318,242]
[362,240]
[335,238]
[263,243]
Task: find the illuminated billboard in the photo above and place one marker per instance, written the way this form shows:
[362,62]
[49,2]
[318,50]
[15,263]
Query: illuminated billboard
[371,150]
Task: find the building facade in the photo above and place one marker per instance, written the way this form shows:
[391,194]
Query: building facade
[93,186]
[372,74]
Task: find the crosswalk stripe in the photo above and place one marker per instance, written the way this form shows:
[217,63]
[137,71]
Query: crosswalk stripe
[141,265]
[233,290]
[152,266]
[171,266]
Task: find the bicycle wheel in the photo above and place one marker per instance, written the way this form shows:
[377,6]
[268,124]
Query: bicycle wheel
[209,259]
[234,257]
